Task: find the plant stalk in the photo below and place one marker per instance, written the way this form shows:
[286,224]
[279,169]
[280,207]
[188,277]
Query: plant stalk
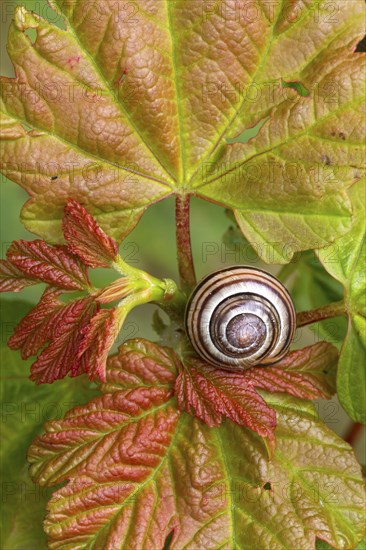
[184,249]
[325,312]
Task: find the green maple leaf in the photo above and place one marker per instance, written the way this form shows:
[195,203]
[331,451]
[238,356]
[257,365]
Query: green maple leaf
[121,110]
[349,269]
[139,470]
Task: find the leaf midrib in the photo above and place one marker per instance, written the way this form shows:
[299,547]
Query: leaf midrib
[177,90]
[233,506]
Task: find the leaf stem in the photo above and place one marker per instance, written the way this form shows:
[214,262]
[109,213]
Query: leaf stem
[184,248]
[325,312]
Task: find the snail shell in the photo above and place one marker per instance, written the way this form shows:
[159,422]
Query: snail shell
[240,317]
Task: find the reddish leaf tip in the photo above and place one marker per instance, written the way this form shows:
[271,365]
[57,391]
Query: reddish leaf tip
[86,238]
[52,265]
[97,339]
[212,394]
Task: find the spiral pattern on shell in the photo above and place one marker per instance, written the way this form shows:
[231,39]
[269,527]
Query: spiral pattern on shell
[240,317]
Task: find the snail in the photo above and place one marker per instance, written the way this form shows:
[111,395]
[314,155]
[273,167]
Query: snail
[239,317]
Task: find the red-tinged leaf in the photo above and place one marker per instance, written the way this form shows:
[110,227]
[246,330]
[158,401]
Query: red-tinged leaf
[307,373]
[141,363]
[12,279]
[211,394]
[84,504]
[61,356]
[162,107]
[121,436]
[139,471]
[139,376]
[37,327]
[85,238]
[98,338]
[53,265]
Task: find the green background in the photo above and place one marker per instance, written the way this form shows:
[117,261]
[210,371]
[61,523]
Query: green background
[151,246]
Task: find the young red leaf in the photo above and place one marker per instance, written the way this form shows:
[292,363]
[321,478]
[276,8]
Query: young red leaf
[138,471]
[308,373]
[98,338]
[12,279]
[53,265]
[85,238]
[61,356]
[211,394]
[38,326]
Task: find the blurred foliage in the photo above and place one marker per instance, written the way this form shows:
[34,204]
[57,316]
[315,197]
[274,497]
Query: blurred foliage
[25,409]
[321,545]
